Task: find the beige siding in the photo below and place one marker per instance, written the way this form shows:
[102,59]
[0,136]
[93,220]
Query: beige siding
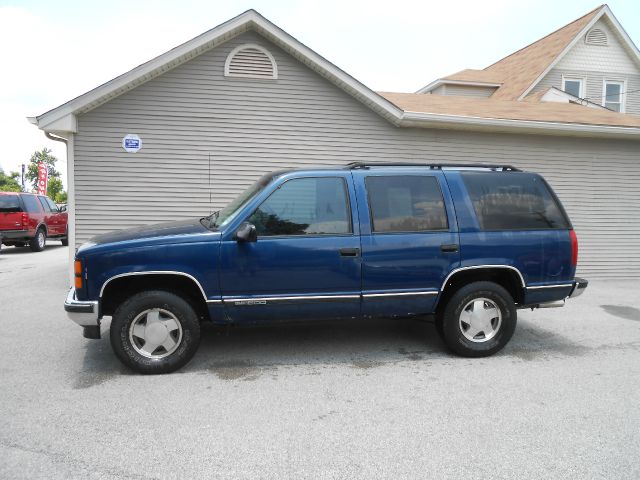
[249,127]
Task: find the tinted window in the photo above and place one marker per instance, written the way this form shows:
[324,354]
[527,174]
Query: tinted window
[52,204]
[513,201]
[45,204]
[31,204]
[305,206]
[9,203]
[406,204]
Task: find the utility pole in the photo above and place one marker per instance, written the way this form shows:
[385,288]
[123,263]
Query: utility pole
[22,177]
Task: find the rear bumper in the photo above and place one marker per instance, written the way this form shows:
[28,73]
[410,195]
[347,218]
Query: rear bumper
[579,286]
[84,313]
[14,235]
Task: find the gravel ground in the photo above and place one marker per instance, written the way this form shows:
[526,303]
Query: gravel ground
[367,400]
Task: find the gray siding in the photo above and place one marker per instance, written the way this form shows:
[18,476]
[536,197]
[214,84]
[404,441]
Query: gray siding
[253,126]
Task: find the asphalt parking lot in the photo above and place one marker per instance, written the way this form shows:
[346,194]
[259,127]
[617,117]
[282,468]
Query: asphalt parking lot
[328,400]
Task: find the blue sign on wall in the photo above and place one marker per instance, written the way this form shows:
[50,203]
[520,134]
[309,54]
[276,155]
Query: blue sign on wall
[132,143]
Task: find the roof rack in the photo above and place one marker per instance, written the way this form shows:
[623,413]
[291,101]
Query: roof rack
[432,166]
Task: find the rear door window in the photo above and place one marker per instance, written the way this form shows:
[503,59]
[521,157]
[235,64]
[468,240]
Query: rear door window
[10,203]
[406,203]
[31,204]
[45,204]
[305,206]
[513,201]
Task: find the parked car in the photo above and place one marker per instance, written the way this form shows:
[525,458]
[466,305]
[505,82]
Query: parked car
[28,219]
[469,245]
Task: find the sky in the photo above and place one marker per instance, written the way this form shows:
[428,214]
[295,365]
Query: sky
[53,51]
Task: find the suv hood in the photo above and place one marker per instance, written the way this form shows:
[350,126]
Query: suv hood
[168,232]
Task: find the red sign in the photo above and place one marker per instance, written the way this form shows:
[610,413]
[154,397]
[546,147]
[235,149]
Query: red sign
[43,177]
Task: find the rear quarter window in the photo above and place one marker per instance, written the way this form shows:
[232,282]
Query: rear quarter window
[31,204]
[513,201]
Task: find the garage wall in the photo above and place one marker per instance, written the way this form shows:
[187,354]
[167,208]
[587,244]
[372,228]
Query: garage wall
[248,127]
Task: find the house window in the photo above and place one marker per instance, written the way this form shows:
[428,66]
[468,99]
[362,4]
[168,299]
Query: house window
[250,61]
[573,86]
[613,95]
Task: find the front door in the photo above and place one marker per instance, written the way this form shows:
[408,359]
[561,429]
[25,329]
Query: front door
[409,240]
[306,261]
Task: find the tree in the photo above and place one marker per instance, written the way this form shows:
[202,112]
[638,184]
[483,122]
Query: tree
[55,189]
[9,183]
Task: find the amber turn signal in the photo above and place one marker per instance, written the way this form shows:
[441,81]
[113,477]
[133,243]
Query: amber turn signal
[77,269]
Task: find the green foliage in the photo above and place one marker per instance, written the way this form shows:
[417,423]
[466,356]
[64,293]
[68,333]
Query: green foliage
[55,190]
[9,183]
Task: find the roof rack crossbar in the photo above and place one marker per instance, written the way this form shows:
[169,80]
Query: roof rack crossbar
[432,166]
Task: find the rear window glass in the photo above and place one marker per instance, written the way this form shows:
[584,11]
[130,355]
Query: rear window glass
[9,203]
[513,201]
[31,204]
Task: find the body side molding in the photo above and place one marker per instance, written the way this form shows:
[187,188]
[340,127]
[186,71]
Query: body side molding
[159,272]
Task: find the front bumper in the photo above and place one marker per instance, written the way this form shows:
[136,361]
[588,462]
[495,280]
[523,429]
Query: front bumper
[580,285]
[84,313]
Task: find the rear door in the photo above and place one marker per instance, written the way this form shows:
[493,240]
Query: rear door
[409,239]
[53,218]
[10,212]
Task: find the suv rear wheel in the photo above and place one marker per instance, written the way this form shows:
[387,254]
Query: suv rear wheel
[39,241]
[155,332]
[65,240]
[479,319]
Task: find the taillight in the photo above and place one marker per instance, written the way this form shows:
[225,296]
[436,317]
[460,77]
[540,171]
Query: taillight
[77,270]
[574,247]
[25,221]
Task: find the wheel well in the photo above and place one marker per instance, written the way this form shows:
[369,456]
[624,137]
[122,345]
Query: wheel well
[119,289]
[505,277]
[44,227]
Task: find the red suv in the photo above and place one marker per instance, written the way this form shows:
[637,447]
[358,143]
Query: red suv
[26,218]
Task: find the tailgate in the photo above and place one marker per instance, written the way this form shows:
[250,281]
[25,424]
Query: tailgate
[10,212]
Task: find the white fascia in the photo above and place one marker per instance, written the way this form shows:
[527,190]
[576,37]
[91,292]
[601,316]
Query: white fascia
[440,81]
[458,122]
[207,40]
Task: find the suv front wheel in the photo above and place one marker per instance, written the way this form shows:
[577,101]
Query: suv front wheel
[155,332]
[479,319]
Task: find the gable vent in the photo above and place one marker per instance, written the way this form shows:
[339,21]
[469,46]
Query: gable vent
[250,61]
[595,36]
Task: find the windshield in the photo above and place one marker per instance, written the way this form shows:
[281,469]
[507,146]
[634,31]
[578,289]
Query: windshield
[228,213]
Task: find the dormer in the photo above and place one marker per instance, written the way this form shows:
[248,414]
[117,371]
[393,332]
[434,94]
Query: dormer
[467,83]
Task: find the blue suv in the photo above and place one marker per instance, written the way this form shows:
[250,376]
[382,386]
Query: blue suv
[468,245]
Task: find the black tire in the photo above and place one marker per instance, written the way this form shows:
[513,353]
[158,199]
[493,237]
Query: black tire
[65,240]
[439,324]
[39,240]
[132,308]
[454,330]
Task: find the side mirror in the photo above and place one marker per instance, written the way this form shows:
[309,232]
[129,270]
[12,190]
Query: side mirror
[246,233]
[63,209]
